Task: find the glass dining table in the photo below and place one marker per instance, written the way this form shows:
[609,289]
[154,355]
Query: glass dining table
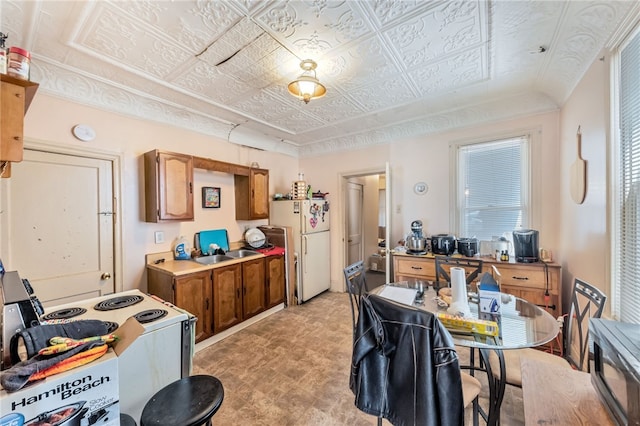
[521,324]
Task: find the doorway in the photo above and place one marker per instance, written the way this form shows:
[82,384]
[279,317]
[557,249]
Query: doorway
[365,223]
[59,223]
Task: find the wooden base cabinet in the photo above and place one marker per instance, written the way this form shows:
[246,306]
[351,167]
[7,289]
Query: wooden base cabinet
[275,280]
[227,297]
[539,282]
[190,292]
[253,288]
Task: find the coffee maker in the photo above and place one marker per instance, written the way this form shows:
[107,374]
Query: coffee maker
[525,244]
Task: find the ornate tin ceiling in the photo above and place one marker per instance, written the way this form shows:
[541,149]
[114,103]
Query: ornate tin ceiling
[392,68]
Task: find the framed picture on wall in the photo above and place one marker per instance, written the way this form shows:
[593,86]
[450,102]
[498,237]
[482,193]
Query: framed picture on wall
[210,197]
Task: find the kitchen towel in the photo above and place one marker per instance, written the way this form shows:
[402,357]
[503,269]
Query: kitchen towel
[459,301]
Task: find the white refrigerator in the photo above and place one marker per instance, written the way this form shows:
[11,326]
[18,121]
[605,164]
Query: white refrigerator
[309,222]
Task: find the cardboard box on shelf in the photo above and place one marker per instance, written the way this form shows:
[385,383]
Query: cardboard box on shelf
[88,393]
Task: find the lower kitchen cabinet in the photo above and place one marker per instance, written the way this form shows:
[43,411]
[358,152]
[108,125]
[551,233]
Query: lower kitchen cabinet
[253,288]
[227,297]
[538,282]
[190,292]
[275,284]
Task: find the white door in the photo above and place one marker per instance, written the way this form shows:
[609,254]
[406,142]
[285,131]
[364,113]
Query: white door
[316,263]
[57,225]
[354,222]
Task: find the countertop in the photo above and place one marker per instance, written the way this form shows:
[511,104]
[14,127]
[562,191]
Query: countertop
[185,267]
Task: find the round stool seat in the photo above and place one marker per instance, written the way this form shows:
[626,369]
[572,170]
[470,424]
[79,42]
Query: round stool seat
[126,420]
[190,401]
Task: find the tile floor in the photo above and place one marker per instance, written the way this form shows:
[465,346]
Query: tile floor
[292,368]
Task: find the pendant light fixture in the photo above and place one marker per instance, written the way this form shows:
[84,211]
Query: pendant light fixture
[307,86]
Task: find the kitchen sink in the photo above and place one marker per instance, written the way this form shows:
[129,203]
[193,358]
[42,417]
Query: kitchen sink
[242,253]
[215,258]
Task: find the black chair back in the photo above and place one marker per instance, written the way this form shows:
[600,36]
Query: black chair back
[586,302]
[472,267]
[356,287]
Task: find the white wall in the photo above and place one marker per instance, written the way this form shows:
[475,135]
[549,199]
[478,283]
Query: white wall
[583,251]
[50,120]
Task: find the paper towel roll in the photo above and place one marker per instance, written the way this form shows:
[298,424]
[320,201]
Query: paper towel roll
[458,285]
[459,301]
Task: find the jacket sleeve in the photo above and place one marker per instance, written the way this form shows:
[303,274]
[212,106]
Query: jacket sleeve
[447,376]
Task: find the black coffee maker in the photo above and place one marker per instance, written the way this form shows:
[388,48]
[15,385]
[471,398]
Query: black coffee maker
[525,244]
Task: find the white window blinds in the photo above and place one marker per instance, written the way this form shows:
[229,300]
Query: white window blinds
[492,187]
[626,304]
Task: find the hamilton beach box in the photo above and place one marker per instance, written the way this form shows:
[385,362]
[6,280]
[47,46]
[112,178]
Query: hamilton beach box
[84,395]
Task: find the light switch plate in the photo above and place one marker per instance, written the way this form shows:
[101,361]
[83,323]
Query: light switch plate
[159,235]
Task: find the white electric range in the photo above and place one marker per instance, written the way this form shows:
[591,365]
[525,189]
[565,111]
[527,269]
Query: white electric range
[161,355]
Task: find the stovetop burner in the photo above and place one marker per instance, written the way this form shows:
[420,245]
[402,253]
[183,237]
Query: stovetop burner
[118,302]
[150,315]
[111,326]
[64,314]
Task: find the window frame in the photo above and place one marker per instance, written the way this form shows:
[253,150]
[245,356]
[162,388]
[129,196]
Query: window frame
[530,175]
[616,197]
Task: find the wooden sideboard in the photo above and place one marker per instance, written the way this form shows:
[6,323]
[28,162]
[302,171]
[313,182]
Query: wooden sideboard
[529,281]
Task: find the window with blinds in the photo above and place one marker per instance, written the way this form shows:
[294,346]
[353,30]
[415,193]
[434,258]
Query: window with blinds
[492,188]
[626,282]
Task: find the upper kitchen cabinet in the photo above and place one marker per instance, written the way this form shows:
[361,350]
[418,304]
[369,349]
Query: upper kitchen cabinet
[15,98]
[252,195]
[168,186]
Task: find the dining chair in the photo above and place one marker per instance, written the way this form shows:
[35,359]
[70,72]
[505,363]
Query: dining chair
[356,286]
[586,302]
[443,264]
[406,340]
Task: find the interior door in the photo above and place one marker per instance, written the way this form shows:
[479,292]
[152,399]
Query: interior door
[58,225]
[354,222]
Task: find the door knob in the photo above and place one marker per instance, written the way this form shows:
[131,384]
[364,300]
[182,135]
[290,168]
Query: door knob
[105,276]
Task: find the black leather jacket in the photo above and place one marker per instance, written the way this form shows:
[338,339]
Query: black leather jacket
[404,366]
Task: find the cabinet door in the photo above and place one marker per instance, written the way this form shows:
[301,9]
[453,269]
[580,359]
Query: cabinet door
[193,294]
[11,142]
[275,280]
[259,193]
[253,292]
[252,195]
[168,186]
[227,297]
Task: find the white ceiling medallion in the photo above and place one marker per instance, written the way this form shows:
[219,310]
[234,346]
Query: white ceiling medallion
[83,132]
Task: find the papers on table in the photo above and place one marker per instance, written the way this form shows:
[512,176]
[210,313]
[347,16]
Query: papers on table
[399,294]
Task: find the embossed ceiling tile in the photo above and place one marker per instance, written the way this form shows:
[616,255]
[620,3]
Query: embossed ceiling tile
[457,71]
[127,42]
[12,18]
[335,109]
[204,20]
[383,94]
[456,28]
[217,52]
[297,122]
[386,11]
[281,18]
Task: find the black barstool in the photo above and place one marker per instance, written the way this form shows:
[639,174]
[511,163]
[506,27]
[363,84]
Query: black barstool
[126,420]
[190,401]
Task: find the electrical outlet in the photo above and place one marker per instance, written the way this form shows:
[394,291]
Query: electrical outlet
[159,236]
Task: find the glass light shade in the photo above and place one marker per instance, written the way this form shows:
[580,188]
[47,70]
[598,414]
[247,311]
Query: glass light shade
[307,86]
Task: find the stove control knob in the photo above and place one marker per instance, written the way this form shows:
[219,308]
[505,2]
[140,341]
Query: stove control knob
[105,276]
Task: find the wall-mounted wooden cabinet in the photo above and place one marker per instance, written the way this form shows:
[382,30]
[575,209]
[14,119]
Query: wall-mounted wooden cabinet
[168,186]
[252,195]
[15,98]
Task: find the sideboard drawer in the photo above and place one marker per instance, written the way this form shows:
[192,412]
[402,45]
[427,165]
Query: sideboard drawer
[421,268]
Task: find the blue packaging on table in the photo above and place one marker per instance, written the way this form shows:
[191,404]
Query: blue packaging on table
[489,294]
